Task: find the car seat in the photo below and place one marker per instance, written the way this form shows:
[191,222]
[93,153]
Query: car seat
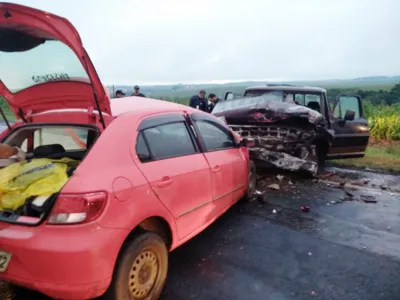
[314,105]
[49,151]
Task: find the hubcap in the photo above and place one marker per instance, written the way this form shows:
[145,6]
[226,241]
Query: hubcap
[143,274]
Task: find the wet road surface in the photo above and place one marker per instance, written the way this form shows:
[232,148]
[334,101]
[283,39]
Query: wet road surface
[343,248]
[339,250]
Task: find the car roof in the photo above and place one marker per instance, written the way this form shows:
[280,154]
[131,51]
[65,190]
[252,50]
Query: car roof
[283,87]
[142,105]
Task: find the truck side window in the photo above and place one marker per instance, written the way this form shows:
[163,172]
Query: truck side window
[347,103]
[299,99]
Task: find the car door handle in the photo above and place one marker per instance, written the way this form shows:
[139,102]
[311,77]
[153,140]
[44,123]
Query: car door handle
[166,181]
[216,169]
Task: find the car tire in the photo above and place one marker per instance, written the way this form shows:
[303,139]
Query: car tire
[141,269]
[252,182]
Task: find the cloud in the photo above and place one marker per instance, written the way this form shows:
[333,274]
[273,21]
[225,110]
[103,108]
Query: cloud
[132,41]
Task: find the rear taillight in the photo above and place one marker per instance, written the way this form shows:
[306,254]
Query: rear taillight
[77,209]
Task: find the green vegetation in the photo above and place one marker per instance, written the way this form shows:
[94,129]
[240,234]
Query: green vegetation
[384,120]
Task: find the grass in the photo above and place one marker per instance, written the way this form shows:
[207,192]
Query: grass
[380,155]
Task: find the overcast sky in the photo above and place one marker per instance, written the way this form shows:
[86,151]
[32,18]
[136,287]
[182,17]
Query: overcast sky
[171,41]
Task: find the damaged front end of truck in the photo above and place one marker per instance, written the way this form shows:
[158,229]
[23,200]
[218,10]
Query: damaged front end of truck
[282,134]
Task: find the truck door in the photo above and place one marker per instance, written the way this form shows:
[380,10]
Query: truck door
[350,127]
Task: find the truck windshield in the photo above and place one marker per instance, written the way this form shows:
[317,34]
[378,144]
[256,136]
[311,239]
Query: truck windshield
[310,100]
[248,102]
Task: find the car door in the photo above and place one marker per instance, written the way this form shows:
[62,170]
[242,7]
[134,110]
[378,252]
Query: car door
[177,171]
[351,129]
[226,160]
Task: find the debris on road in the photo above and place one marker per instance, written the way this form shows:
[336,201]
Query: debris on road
[368,199]
[326,175]
[280,177]
[274,211]
[274,186]
[305,208]
[260,196]
[349,194]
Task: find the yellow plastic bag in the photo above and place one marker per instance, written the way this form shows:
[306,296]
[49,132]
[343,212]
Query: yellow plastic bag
[38,177]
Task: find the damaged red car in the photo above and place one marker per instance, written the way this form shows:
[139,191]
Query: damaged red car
[130,180]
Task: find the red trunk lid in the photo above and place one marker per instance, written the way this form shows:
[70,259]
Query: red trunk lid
[44,65]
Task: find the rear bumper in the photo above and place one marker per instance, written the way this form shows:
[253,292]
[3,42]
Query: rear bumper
[62,262]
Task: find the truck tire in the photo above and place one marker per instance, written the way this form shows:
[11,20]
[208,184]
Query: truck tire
[141,269]
[252,182]
[322,151]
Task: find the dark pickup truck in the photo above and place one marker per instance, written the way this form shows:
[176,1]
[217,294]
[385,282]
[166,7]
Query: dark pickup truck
[295,127]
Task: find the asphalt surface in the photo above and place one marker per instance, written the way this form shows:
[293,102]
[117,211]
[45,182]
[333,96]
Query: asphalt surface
[343,248]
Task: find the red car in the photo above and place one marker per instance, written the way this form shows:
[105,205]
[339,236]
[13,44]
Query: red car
[151,174]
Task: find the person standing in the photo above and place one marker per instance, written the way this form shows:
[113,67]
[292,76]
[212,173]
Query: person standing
[212,101]
[199,101]
[136,92]
[119,94]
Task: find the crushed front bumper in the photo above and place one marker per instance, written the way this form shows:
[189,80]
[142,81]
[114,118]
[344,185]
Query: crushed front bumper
[285,147]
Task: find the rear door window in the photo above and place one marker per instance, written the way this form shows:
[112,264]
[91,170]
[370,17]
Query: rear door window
[166,141]
[215,137]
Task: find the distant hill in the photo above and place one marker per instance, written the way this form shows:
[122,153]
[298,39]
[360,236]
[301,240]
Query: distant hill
[180,90]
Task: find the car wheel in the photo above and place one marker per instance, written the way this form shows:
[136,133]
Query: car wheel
[252,180]
[141,269]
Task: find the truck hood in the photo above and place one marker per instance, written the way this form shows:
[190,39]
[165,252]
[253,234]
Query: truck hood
[262,110]
[44,64]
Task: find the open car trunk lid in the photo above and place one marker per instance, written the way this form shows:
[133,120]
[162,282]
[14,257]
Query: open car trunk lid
[44,65]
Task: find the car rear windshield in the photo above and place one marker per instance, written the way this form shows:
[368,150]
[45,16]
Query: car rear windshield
[50,61]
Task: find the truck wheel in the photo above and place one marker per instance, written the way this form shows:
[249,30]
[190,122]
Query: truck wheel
[252,179]
[141,269]
[322,152]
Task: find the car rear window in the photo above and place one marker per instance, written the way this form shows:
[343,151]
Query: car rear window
[50,61]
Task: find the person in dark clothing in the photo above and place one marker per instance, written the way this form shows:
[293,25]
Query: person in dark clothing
[119,94]
[212,101]
[136,92]
[199,101]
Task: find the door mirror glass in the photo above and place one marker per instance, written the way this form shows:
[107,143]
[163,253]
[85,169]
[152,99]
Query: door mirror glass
[229,96]
[348,108]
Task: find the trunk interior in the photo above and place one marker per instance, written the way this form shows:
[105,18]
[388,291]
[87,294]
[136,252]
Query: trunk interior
[48,157]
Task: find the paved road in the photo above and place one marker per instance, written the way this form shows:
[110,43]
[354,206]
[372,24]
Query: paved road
[348,250]
[339,250]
